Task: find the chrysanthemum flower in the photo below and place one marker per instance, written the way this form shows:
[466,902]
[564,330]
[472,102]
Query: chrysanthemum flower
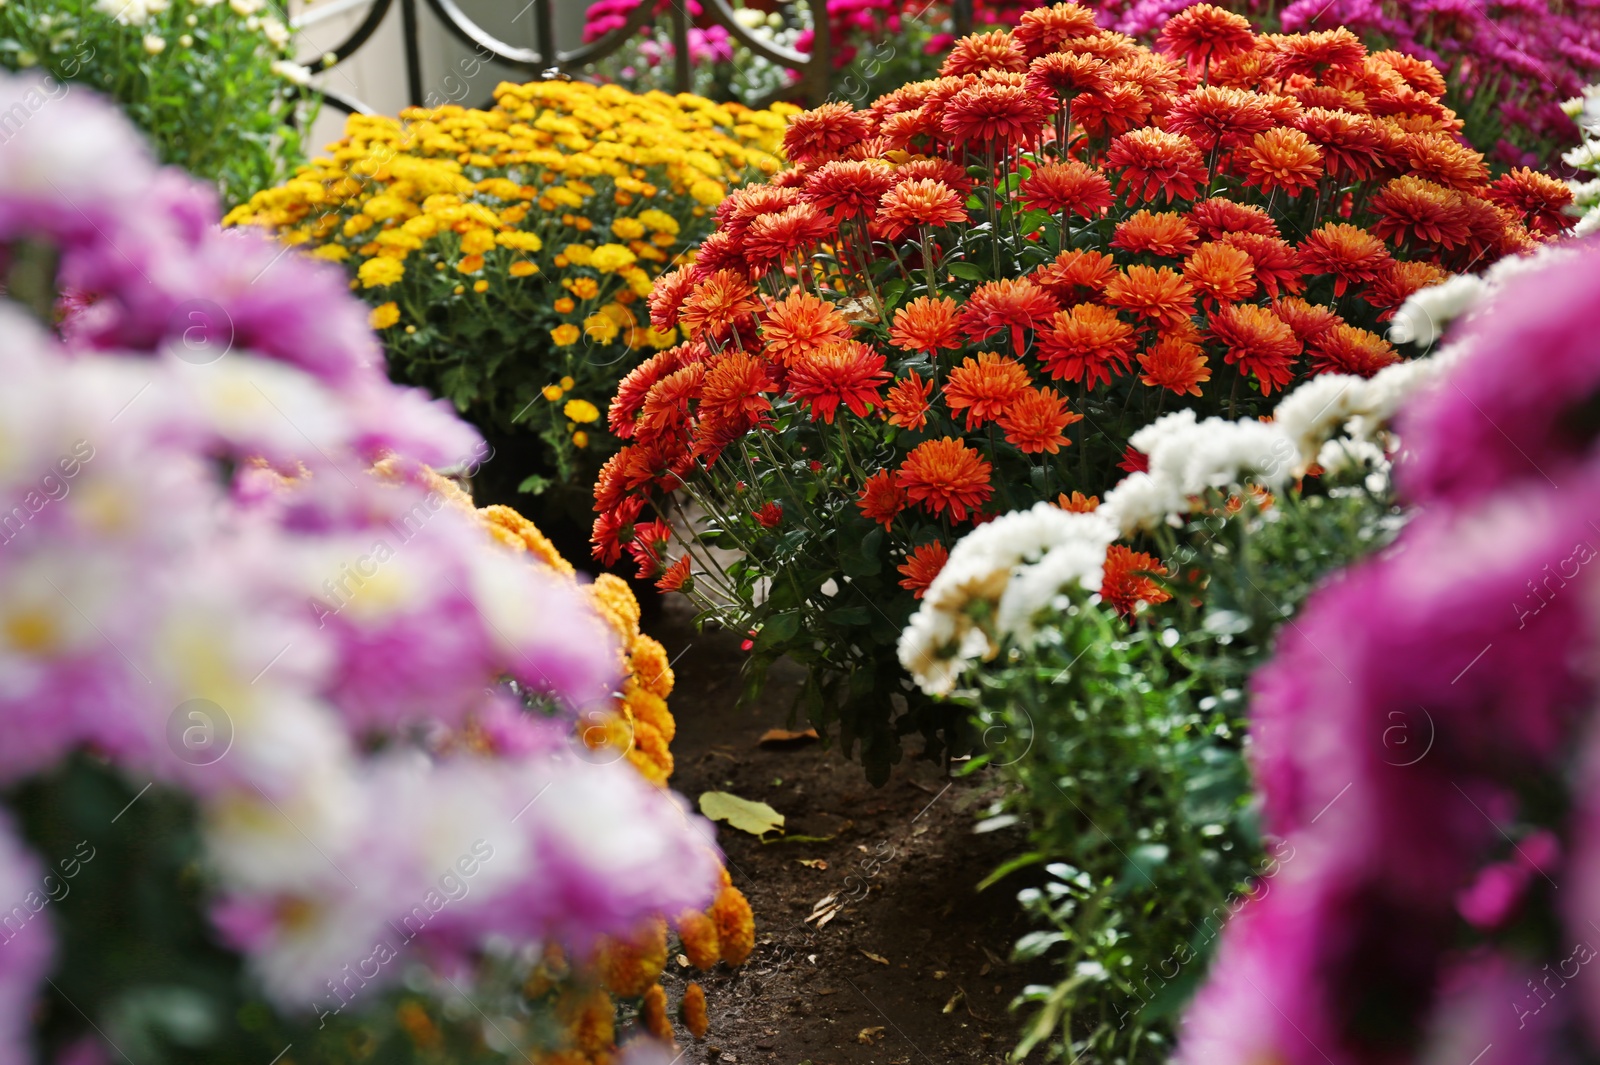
[926,324]
[1203,34]
[1217,219]
[666,405]
[919,202]
[945,475]
[1158,293]
[736,926]
[1441,158]
[1162,233]
[1220,273]
[1315,54]
[824,132]
[1074,270]
[1277,265]
[745,205]
[848,373]
[1156,162]
[697,933]
[1214,116]
[1280,159]
[1346,349]
[634,387]
[1115,109]
[977,52]
[1156,76]
[693,1010]
[772,238]
[985,386]
[908,402]
[1066,188]
[1258,342]
[934,169]
[1078,503]
[649,547]
[881,498]
[1176,364]
[848,188]
[717,305]
[801,322]
[1538,199]
[1034,421]
[1043,30]
[1129,578]
[1084,343]
[667,296]
[1005,304]
[675,576]
[1398,282]
[1349,253]
[1352,145]
[1065,75]
[613,526]
[1420,74]
[1308,320]
[1134,460]
[770,515]
[989,113]
[720,251]
[921,566]
[731,394]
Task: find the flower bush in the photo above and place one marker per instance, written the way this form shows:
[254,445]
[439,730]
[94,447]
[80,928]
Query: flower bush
[1585,158]
[968,297]
[210,83]
[353,713]
[507,252]
[1426,744]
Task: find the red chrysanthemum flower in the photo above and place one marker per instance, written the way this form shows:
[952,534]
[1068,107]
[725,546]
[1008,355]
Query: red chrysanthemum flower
[935,169]
[1280,159]
[902,128]
[1398,283]
[977,52]
[1346,349]
[1078,503]
[1420,74]
[633,388]
[989,113]
[908,402]
[649,547]
[881,498]
[849,373]
[945,475]
[1349,253]
[1203,34]
[919,202]
[770,516]
[676,576]
[849,188]
[731,395]
[666,406]
[1115,109]
[1158,77]
[1134,460]
[922,565]
[772,238]
[1308,320]
[1220,273]
[1155,162]
[1033,423]
[1074,270]
[1176,364]
[1066,75]
[1044,29]
[824,132]
[717,305]
[984,386]
[667,296]
[1258,342]
[1066,188]
[1217,219]
[1409,208]
[612,525]
[1315,54]
[1352,144]
[1130,578]
[720,251]
[1215,116]
[1085,343]
[926,324]
[1538,199]
[1006,304]
[1158,293]
[1277,265]
[801,322]
[1162,233]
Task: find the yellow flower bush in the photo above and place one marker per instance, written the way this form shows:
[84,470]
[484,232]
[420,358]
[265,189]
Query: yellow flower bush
[513,247]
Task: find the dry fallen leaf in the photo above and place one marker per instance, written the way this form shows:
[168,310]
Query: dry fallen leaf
[747,815]
[955,1000]
[879,958]
[782,737]
[813,863]
[869,1035]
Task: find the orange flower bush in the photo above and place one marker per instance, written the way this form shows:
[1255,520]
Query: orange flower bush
[964,299]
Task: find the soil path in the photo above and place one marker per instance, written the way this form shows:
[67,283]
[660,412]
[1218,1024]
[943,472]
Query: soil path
[911,968]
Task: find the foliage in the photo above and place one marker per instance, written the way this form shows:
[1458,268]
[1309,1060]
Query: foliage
[209,82]
[505,252]
[968,297]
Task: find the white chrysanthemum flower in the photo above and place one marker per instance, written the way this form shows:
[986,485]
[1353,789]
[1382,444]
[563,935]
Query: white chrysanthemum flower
[1309,414]
[131,12]
[1140,502]
[1589,223]
[275,32]
[1585,156]
[291,71]
[154,44]
[1347,454]
[1033,588]
[1422,319]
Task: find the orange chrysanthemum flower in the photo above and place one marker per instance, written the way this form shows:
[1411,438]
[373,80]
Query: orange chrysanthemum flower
[1399,282]
[1258,342]
[1044,29]
[1203,34]
[1214,116]
[1409,208]
[633,388]
[1006,304]
[919,202]
[945,475]
[736,925]
[849,373]
[1156,162]
[666,405]
[717,305]
[1156,76]
[921,566]
[1066,188]
[881,498]
[676,576]
[1352,144]
[1316,54]
[1074,270]
[849,188]
[1308,320]
[985,386]
[799,323]
[1218,219]
[926,324]
[1420,74]
[1065,75]
[1346,349]
[1078,503]
[1220,273]
[772,238]
[1158,293]
[1538,199]
[1162,233]
[693,1010]
[667,296]
[1280,159]
[1277,265]
[989,113]
[1115,109]
[977,52]
[743,206]
[1084,343]
[731,395]
[1129,578]
[935,169]
[1349,253]
[1175,364]
[1034,421]
[1439,157]
[908,402]
[824,132]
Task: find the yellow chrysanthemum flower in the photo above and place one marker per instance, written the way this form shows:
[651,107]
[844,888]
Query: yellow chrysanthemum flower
[628,228]
[565,335]
[600,328]
[375,273]
[523,268]
[581,410]
[553,392]
[609,258]
[384,315]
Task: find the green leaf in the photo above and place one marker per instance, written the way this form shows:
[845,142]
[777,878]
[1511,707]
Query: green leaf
[747,815]
[849,615]
[779,628]
[534,484]
[892,292]
[967,271]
